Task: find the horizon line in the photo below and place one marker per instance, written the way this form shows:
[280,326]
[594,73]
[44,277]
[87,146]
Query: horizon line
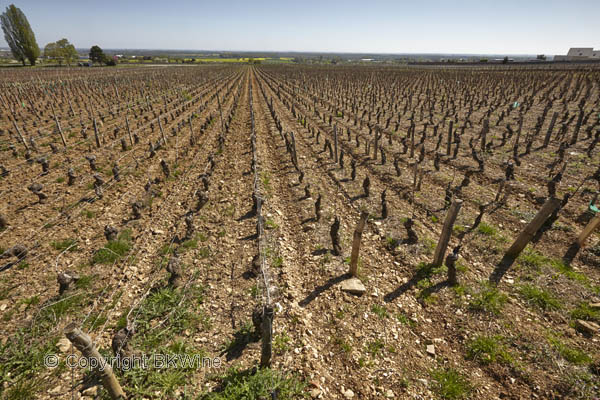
[310,51]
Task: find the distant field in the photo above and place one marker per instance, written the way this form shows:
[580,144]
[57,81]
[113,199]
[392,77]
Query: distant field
[138,61]
[240,60]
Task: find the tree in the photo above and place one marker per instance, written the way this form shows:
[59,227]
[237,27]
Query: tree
[97,55]
[51,50]
[18,35]
[61,51]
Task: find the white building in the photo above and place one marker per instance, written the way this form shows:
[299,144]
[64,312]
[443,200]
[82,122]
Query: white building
[579,54]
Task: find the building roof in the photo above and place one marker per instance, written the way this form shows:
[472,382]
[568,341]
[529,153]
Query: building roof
[580,51]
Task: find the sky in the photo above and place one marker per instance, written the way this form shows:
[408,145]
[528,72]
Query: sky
[375,26]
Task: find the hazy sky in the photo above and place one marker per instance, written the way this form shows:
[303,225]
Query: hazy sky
[434,26]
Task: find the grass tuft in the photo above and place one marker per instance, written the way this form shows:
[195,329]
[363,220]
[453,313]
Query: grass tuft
[380,311]
[114,250]
[571,354]
[450,384]
[534,259]
[539,297]
[256,384]
[585,312]
[488,349]
[486,229]
[488,299]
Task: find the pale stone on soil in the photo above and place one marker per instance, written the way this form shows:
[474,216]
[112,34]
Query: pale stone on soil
[63,345]
[431,350]
[56,390]
[587,326]
[354,286]
[91,391]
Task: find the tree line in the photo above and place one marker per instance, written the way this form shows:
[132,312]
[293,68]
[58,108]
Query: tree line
[23,44]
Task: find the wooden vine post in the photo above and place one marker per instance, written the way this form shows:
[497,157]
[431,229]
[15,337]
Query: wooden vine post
[356,243]
[162,132]
[530,230]
[412,140]
[440,250]
[267,336]
[20,134]
[84,344]
[71,107]
[177,149]
[192,139]
[484,132]
[549,132]
[62,136]
[96,133]
[335,144]
[577,128]
[294,154]
[449,144]
[587,231]
[128,130]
